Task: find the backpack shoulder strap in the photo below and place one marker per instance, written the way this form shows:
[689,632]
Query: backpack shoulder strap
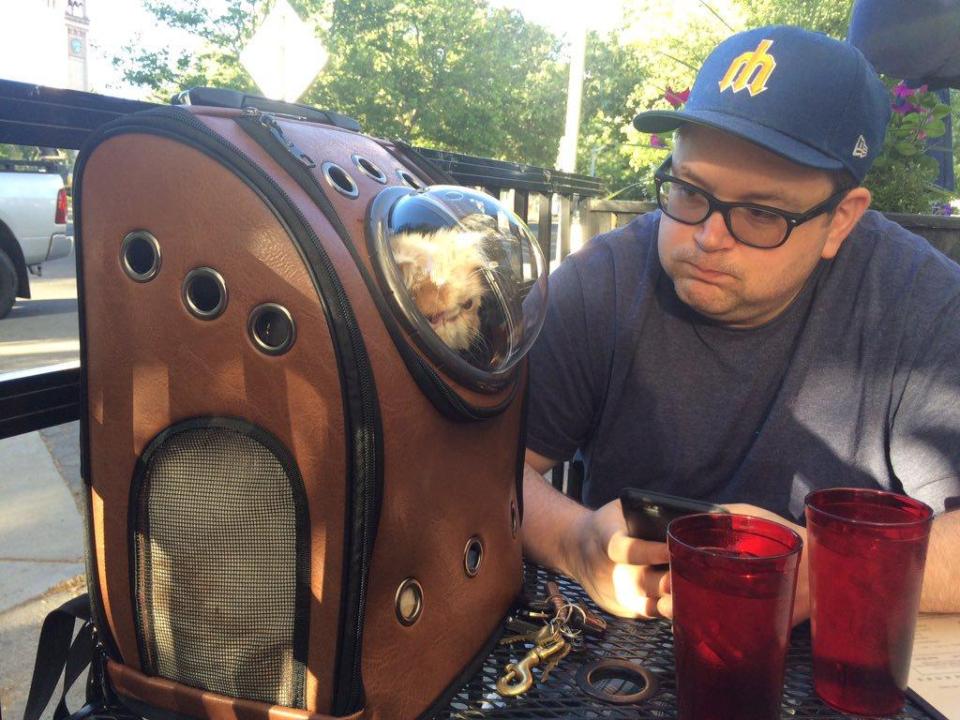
[58,652]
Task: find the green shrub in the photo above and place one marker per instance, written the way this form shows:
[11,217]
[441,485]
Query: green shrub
[903,177]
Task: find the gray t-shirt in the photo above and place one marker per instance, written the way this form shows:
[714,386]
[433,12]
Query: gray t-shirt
[857,383]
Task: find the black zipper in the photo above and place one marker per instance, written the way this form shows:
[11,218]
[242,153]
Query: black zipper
[263,128]
[361,411]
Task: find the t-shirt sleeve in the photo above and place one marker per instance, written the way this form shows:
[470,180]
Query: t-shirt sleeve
[925,431]
[564,379]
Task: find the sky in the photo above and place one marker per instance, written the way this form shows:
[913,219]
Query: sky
[115,23]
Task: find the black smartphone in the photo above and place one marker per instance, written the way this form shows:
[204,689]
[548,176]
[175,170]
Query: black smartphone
[648,513]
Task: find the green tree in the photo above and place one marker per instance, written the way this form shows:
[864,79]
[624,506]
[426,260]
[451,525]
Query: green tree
[631,70]
[827,16]
[223,35]
[451,74]
[612,72]
[19,152]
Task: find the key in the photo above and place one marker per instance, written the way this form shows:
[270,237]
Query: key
[536,605]
[519,630]
[553,661]
[525,632]
[521,626]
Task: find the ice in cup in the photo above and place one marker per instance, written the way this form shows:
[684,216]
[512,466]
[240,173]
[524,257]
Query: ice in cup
[867,552]
[733,581]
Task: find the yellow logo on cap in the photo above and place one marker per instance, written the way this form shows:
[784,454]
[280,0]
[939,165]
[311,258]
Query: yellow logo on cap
[757,65]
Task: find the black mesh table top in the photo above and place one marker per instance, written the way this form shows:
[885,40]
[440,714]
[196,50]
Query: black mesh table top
[646,643]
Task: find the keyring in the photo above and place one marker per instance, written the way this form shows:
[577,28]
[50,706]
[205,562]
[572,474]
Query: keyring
[590,675]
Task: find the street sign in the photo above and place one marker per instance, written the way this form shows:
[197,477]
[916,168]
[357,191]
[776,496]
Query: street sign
[284,55]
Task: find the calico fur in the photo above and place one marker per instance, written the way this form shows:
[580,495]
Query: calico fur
[444,273]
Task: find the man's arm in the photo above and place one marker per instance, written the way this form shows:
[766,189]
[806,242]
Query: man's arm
[941,575]
[548,516]
[590,546]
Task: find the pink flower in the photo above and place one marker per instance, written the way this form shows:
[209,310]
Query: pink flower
[676,99]
[905,107]
[657,142]
[921,135]
[901,90]
[901,104]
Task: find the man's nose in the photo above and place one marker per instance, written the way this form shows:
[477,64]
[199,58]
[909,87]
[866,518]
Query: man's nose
[712,234]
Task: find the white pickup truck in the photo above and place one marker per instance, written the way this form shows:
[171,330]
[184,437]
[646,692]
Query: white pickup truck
[33,222]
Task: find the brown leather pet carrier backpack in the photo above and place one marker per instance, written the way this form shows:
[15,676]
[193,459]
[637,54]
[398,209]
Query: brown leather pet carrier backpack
[303,396]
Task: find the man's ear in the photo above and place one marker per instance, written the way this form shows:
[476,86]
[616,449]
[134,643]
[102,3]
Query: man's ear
[844,219]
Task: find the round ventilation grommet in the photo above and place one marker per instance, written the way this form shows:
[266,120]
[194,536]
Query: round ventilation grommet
[271,329]
[615,681]
[369,169]
[204,293]
[473,556]
[140,256]
[408,179]
[339,179]
[409,601]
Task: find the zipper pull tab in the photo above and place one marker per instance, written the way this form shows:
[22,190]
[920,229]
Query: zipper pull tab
[270,122]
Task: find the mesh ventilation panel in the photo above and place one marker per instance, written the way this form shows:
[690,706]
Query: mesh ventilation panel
[220,542]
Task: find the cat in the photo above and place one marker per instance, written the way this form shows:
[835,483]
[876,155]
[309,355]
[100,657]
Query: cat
[444,272]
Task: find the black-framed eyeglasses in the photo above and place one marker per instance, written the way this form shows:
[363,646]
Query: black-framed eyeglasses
[758,226]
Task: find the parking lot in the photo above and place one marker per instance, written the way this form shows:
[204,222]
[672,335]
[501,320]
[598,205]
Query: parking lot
[42,331]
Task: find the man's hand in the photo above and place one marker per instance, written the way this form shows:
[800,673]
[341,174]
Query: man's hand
[591,546]
[617,571]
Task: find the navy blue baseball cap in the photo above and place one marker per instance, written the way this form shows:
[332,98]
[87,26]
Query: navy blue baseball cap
[799,94]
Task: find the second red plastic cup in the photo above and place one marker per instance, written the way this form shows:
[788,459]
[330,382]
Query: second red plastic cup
[867,550]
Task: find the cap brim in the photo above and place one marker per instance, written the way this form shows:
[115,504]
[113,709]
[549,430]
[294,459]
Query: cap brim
[658,121]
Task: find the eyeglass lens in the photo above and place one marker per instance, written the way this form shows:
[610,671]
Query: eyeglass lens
[749,225]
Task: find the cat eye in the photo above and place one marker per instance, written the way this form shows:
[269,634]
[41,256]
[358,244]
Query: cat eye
[467,305]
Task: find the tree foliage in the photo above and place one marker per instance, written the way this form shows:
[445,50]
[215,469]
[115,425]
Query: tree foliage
[466,76]
[612,72]
[631,71]
[827,16]
[452,74]
[164,72]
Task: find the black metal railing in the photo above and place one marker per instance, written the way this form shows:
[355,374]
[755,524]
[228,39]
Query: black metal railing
[35,115]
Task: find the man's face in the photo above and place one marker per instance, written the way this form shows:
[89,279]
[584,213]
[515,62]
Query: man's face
[717,276]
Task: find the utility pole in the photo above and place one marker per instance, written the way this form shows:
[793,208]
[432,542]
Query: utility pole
[567,159]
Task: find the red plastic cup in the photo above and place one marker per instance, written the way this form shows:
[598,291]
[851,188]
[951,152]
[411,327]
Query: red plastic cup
[867,551]
[733,580]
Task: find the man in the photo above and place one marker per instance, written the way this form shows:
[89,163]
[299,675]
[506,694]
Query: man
[761,336]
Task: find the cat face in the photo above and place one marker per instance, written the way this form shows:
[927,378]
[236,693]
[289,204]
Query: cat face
[443,272]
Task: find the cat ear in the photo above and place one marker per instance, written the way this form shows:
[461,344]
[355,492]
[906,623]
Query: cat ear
[405,258]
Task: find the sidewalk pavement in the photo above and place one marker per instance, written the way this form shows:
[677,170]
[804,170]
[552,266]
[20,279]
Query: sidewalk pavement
[41,550]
